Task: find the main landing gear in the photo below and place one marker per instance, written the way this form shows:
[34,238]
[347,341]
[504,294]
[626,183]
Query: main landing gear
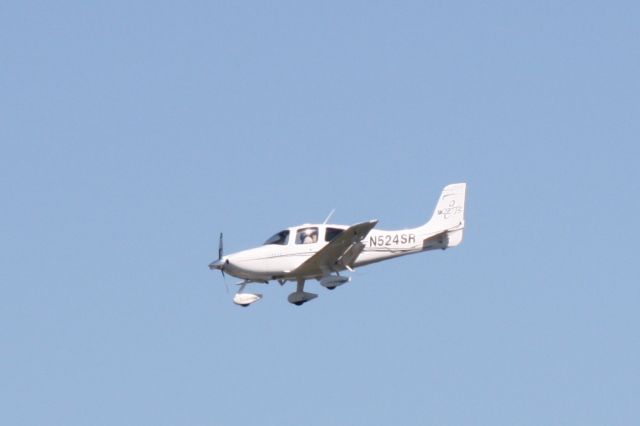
[299,296]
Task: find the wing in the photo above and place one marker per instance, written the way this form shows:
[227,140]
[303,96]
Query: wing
[326,259]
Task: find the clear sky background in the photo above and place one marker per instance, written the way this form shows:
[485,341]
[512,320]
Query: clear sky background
[132,133]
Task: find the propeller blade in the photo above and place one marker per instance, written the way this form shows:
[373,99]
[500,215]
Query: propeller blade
[220,254]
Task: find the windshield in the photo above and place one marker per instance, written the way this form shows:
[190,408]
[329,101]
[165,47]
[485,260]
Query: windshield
[281,238]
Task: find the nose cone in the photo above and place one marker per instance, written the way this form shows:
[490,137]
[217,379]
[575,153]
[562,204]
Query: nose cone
[218,264]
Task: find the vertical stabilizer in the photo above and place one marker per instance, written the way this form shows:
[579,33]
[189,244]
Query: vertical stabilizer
[449,213]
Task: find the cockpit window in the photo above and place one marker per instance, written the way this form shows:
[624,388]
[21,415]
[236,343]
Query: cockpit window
[281,238]
[307,236]
[332,233]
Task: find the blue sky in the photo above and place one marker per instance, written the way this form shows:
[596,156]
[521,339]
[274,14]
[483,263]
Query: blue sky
[132,133]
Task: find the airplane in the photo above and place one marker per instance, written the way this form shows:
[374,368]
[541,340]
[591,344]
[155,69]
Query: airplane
[322,251]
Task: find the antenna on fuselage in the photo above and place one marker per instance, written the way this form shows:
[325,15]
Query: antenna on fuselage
[329,217]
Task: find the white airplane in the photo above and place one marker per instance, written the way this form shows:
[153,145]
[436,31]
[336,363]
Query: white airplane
[322,251]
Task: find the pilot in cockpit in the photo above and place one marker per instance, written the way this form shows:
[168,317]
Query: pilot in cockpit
[309,236]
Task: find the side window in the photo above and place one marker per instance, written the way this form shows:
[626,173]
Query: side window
[307,236]
[280,238]
[332,233]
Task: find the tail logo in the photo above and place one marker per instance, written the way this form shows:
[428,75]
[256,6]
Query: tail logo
[451,210]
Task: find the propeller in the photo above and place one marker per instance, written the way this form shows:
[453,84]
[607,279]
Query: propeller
[220,263]
[220,252]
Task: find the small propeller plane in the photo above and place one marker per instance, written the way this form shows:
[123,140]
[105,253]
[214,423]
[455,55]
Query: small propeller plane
[322,251]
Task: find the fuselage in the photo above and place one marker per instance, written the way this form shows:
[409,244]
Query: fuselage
[281,254]
[322,251]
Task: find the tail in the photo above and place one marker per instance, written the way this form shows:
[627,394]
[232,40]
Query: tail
[449,214]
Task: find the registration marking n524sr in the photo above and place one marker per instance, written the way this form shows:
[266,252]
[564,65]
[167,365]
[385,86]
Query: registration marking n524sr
[387,240]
